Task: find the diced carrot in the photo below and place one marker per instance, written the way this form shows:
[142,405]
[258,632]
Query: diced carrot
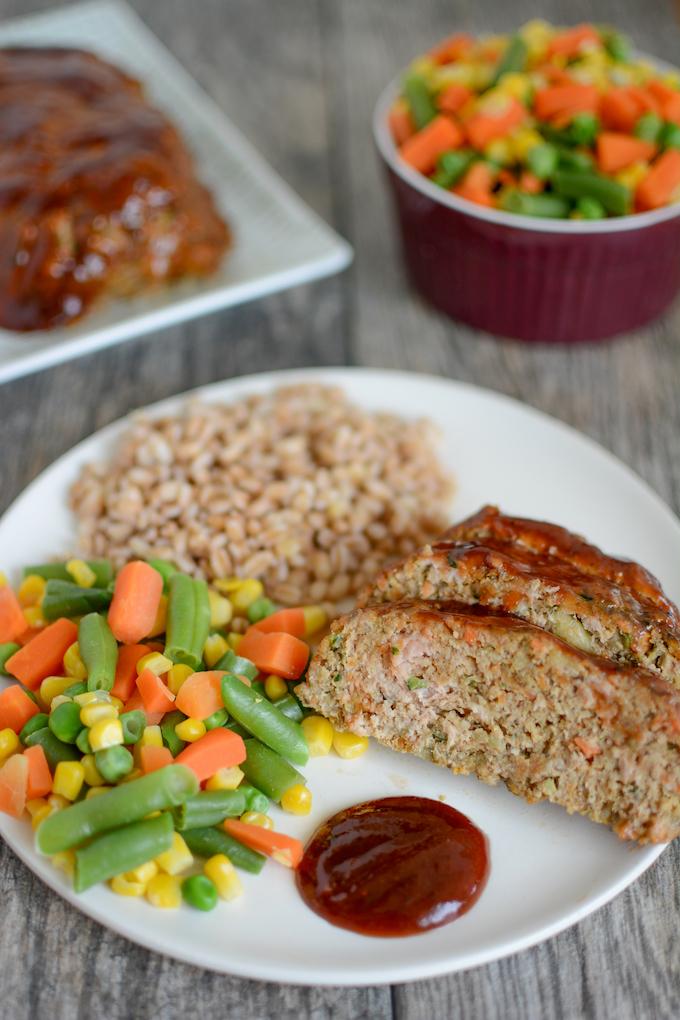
[422,149]
[670,108]
[135,704]
[39,782]
[126,670]
[620,109]
[12,619]
[28,635]
[44,654]
[201,694]
[453,98]
[284,621]
[573,41]
[554,74]
[662,179]
[530,183]
[282,848]
[13,784]
[484,127]
[281,654]
[156,695]
[476,184]
[400,122]
[506,177]
[16,708]
[617,151]
[136,597]
[451,49]
[562,99]
[153,758]
[646,100]
[660,91]
[218,749]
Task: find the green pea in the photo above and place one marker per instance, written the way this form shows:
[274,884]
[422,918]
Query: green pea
[590,208]
[79,687]
[648,127]
[113,763]
[618,46]
[65,722]
[670,136]
[37,722]
[7,650]
[200,892]
[584,128]
[217,719]
[542,160]
[451,166]
[260,609]
[83,741]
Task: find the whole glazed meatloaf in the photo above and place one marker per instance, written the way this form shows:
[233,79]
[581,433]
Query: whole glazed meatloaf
[547,576]
[97,190]
[483,692]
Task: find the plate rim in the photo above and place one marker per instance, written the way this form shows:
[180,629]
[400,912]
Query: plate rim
[237,385]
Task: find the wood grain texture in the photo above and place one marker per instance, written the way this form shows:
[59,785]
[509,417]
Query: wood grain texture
[300,79]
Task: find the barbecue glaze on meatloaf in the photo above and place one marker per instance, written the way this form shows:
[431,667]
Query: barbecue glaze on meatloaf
[486,693]
[547,576]
[97,190]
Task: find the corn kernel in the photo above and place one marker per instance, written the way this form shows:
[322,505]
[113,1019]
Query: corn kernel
[151,737]
[523,141]
[9,742]
[3,579]
[221,610]
[92,776]
[35,804]
[82,573]
[275,688]
[178,858]
[98,711]
[57,801]
[116,702]
[92,698]
[234,640]
[227,585]
[142,873]
[31,590]
[65,861]
[297,800]
[94,791]
[316,617]
[225,779]
[213,649]
[349,745]
[73,664]
[61,699]
[246,593]
[156,662]
[106,733]
[222,872]
[257,818]
[123,887]
[164,891]
[190,730]
[632,175]
[40,815]
[318,734]
[69,777]
[34,617]
[160,623]
[177,675]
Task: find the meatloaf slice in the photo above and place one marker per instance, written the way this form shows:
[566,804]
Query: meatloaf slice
[550,577]
[486,693]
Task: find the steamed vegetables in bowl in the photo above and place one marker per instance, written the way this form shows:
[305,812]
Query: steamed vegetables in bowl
[147,723]
[550,122]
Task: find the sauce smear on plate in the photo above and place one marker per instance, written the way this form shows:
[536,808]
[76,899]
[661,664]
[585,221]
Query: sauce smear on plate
[396,866]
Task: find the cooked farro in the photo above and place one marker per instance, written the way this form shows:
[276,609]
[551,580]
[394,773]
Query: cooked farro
[298,487]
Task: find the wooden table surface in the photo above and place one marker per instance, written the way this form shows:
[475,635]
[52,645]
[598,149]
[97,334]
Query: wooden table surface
[300,78]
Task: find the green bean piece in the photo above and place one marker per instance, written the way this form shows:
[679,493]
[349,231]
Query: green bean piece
[584,128]
[264,720]
[64,598]
[113,763]
[617,45]
[208,842]
[291,707]
[255,799]
[164,788]
[83,741]
[542,160]
[7,650]
[514,59]
[64,721]
[575,159]
[452,165]
[590,208]
[670,136]
[217,719]
[268,771]
[102,569]
[120,850]
[188,623]
[649,127]
[166,569]
[615,197]
[38,722]
[233,663]
[55,750]
[260,609]
[133,724]
[417,94]
[210,807]
[79,687]
[99,651]
[174,743]
[200,892]
[544,205]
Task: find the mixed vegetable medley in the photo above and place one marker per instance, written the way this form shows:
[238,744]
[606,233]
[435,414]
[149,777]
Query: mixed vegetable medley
[153,724]
[549,122]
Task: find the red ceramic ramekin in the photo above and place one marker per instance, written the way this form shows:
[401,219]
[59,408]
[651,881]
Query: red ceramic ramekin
[556,281]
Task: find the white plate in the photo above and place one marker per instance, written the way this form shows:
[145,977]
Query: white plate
[278,241]
[548,869]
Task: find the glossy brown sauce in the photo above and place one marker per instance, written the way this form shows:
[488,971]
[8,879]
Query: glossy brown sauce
[391,867]
[97,190]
